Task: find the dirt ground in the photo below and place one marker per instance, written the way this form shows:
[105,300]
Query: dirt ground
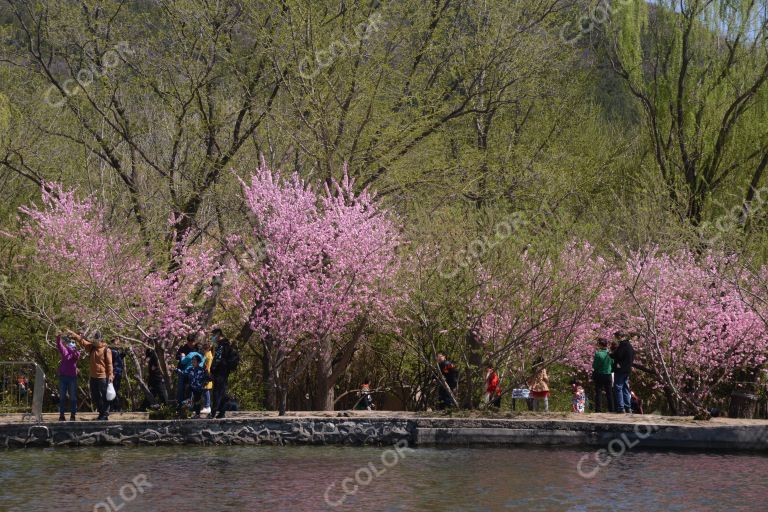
[601,418]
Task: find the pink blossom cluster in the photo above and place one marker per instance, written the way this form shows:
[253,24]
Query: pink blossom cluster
[105,273]
[315,262]
[546,307]
[694,328]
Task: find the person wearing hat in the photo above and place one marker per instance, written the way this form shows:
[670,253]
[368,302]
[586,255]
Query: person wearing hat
[100,370]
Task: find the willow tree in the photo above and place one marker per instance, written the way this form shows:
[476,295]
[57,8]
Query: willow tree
[699,69]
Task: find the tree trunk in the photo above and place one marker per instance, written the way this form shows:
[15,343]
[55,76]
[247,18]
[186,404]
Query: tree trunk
[269,400]
[672,402]
[137,373]
[324,391]
[283,400]
[475,360]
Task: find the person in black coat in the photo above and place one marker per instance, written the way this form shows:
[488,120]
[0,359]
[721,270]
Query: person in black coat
[623,358]
[451,375]
[225,361]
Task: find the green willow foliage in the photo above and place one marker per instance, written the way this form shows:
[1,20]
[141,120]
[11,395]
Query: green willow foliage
[699,69]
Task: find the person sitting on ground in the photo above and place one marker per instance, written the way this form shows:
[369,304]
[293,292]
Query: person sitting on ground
[538,383]
[637,403]
[198,377]
[67,375]
[579,400]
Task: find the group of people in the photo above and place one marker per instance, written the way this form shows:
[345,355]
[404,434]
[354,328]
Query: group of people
[105,367]
[202,374]
[199,374]
[611,369]
[203,370]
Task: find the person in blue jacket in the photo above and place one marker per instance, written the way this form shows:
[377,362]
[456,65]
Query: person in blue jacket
[185,362]
[198,377]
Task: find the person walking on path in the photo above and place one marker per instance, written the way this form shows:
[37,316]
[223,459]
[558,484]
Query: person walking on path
[492,387]
[100,371]
[207,352]
[538,384]
[623,357]
[118,364]
[451,375]
[70,355]
[225,361]
[602,367]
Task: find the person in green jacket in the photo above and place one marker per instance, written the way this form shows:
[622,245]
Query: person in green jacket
[602,367]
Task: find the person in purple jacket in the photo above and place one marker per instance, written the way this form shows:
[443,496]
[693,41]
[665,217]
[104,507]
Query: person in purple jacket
[67,375]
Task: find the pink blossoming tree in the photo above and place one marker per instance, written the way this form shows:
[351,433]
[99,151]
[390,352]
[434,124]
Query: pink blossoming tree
[317,270]
[104,278]
[693,329]
[542,310]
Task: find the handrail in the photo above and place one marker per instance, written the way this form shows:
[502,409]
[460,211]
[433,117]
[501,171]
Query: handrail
[38,391]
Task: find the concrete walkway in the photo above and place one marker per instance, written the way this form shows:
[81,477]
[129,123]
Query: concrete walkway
[596,418]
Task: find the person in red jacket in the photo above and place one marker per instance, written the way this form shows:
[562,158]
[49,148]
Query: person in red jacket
[492,387]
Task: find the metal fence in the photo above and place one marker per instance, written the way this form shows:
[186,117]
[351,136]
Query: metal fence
[22,387]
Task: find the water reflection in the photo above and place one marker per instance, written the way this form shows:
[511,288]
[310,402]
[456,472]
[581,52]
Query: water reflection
[209,479]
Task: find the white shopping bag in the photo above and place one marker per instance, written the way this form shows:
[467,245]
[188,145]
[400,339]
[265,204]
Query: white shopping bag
[111,392]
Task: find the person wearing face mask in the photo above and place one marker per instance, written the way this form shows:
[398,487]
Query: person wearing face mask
[225,361]
[100,370]
[67,375]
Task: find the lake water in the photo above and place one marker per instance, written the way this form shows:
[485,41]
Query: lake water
[313,478]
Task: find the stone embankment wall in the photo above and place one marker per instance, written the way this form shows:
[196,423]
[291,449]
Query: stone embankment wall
[642,432]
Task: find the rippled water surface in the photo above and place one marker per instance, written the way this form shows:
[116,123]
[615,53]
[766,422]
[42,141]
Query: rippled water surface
[313,479]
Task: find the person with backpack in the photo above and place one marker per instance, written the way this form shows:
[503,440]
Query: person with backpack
[225,361]
[118,364]
[623,358]
[100,370]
